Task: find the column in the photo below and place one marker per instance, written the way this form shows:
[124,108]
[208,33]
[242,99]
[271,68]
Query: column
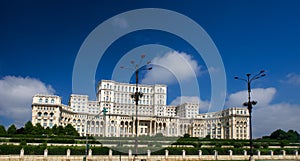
[45,153]
[222,131]
[271,153]
[22,153]
[90,152]
[133,128]
[129,129]
[167,128]
[150,128]
[200,153]
[118,129]
[183,153]
[138,130]
[104,126]
[258,154]
[124,130]
[155,128]
[110,152]
[245,154]
[216,154]
[231,129]
[129,154]
[148,153]
[68,153]
[283,153]
[230,154]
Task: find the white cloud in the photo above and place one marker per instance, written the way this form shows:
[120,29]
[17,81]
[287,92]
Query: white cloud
[293,78]
[16,96]
[261,95]
[203,105]
[272,117]
[268,117]
[175,66]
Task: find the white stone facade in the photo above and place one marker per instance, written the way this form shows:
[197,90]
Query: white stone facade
[154,116]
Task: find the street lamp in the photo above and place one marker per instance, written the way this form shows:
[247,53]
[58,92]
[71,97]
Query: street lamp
[104,111]
[250,103]
[137,95]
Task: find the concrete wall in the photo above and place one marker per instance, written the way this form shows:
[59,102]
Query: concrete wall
[151,158]
[147,157]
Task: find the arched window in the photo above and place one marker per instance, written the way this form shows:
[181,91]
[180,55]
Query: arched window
[46,100]
[52,100]
[39,114]
[40,100]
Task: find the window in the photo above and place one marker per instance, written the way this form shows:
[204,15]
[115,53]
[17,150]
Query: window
[52,100]
[46,101]
[40,100]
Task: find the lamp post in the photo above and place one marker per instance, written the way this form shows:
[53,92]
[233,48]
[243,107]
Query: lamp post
[104,111]
[250,103]
[137,95]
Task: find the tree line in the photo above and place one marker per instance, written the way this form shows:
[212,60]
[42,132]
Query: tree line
[69,130]
[280,134]
[29,129]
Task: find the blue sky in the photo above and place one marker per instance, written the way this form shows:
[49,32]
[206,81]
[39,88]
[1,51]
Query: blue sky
[40,40]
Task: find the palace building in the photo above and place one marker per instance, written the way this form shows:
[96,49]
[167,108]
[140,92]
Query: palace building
[154,115]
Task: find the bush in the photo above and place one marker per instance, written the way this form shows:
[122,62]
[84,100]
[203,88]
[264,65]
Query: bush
[265,145]
[257,145]
[33,150]
[23,143]
[9,149]
[238,145]
[57,150]
[283,143]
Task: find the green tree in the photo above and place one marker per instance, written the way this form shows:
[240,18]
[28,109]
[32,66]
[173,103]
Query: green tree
[48,131]
[23,143]
[186,135]
[28,129]
[2,129]
[70,130]
[292,135]
[283,143]
[59,130]
[279,135]
[207,136]
[238,144]
[20,130]
[38,129]
[265,145]
[12,129]
[54,129]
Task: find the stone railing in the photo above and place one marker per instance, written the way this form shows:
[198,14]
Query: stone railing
[148,157]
